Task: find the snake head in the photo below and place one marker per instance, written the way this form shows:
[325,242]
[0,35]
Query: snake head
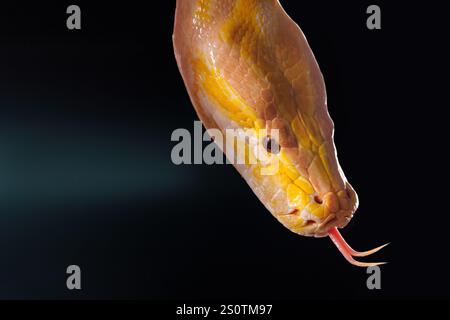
[248,68]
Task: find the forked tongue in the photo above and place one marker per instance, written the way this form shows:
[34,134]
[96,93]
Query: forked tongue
[349,253]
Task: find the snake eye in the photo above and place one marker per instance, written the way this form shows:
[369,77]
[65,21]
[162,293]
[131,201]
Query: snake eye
[318,200]
[271,145]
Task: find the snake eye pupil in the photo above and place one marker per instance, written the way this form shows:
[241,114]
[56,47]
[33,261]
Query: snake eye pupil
[271,145]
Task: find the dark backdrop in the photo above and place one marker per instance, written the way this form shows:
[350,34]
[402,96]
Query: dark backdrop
[86,177]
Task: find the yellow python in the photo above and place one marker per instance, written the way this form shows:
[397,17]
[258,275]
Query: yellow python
[247,65]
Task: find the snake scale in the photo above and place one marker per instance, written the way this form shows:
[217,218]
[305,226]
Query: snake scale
[247,65]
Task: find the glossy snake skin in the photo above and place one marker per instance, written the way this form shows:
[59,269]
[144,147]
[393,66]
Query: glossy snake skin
[247,65]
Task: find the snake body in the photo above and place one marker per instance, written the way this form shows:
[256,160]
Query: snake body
[247,65]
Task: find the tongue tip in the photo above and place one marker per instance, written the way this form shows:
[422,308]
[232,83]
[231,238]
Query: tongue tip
[348,252]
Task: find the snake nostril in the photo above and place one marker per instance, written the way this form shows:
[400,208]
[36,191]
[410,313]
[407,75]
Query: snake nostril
[318,200]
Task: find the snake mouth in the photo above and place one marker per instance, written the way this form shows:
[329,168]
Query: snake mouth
[332,221]
[333,209]
[321,229]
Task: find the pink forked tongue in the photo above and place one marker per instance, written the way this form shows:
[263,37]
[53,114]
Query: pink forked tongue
[349,253]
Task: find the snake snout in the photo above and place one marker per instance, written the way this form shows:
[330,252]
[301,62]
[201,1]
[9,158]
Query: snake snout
[335,208]
[340,206]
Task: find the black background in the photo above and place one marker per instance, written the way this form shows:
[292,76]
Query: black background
[86,177]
